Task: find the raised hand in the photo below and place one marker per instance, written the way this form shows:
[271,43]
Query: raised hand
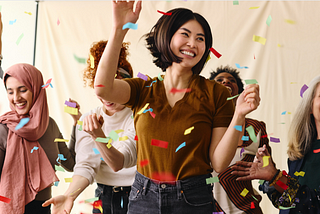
[75,117]
[248,100]
[123,12]
[61,204]
[92,125]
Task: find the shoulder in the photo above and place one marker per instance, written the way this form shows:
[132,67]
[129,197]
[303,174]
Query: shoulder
[3,129]
[3,136]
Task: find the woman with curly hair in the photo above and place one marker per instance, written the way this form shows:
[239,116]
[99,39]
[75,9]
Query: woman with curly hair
[114,169]
[181,121]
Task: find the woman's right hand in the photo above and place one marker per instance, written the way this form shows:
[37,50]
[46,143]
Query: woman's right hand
[61,204]
[123,12]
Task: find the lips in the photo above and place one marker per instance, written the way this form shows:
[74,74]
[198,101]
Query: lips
[188,53]
[21,105]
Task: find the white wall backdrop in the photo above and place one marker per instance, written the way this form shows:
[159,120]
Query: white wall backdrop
[288,60]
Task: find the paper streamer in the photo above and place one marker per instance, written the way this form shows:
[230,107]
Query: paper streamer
[167,14]
[188,130]
[174,90]
[5,199]
[253,8]
[251,81]
[244,192]
[79,60]
[238,127]
[60,140]
[34,148]
[259,39]
[301,173]
[159,143]
[68,180]
[231,98]
[142,76]
[19,39]
[151,83]
[144,108]
[181,145]
[144,163]
[245,138]
[274,139]
[269,19]
[70,104]
[265,160]
[96,151]
[218,55]
[240,67]
[160,77]
[59,168]
[22,122]
[70,110]
[316,151]
[303,89]
[252,134]
[91,61]
[212,180]
[130,26]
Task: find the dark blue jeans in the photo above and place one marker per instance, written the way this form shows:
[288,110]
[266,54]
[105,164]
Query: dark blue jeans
[114,199]
[192,195]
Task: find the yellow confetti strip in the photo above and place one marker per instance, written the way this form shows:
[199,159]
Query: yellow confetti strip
[252,8]
[119,131]
[265,160]
[80,122]
[109,145]
[188,131]
[144,108]
[71,110]
[91,61]
[290,21]
[123,138]
[208,58]
[279,45]
[244,192]
[259,39]
[28,13]
[60,140]
[75,191]
[301,173]
[68,180]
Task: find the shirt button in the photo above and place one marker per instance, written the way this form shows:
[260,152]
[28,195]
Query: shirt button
[163,186]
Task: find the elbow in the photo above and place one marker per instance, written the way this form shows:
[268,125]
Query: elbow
[219,169]
[98,91]
[116,168]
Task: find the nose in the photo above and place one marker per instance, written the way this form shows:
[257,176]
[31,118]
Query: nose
[192,42]
[16,96]
[225,81]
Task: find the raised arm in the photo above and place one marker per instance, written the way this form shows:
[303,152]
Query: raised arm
[115,90]
[224,141]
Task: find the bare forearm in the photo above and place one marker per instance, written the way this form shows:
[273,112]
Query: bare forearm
[78,184]
[111,156]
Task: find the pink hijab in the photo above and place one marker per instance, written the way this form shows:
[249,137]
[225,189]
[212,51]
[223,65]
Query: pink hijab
[24,174]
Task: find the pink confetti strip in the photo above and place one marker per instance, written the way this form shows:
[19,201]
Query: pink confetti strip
[274,139]
[174,90]
[167,14]
[159,143]
[142,76]
[70,104]
[303,89]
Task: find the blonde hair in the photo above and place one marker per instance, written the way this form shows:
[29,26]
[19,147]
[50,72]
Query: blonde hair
[303,130]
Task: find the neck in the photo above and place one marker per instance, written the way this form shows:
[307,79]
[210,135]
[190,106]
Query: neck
[111,112]
[177,78]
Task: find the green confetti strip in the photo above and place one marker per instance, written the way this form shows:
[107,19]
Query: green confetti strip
[261,182]
[235,2]
[212,180]
[269,19]
[59,168]
[91,200]
[80,60]
[102,140]
[251,81]
[19,39]
[230,98]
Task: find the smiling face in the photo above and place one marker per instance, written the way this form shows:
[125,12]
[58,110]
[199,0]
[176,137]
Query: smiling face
[20,98]
[188,43]
[229,81]
[316,105]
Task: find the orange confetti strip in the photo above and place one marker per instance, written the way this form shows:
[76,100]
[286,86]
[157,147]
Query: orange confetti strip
[167,14]
[159,143]
[144,162]
[5,200]
[218,55]
[163,177]
[174,90]
[99,85]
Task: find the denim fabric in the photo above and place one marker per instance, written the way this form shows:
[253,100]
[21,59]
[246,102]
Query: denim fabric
[112,202]
[35,207]
[192,196]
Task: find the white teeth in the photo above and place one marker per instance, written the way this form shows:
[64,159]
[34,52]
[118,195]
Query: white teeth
[187,53]
[229,88]
[20,104]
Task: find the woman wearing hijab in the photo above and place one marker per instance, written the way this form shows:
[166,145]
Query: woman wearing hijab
[28,153]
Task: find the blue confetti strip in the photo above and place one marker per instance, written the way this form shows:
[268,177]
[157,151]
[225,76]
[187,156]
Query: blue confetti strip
[96,151]
[245,138]
[130,25]
[22,122]
[181,145]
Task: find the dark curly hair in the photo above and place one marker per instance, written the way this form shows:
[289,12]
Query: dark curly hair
[229,70]
[159,38]
[96,51]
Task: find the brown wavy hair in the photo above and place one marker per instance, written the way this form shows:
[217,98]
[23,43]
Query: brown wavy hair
[96,51]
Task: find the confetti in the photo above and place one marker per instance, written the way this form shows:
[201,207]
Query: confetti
[123,138]
[152,114]
[283,113]
[91,61]
[119,131]
[142,76]
[237,127]
[241,151]
[252,8]
[121,202]
[70,104]
[4,199]
[252,134]
[68,180]
[290,21]
[130,26]
[29,13]
[245,138]
[19,39]
[265,160]
[96,151]
[274,139]
[282,185]
[160,77]
[144,108]
[159,143]
[181,145]
[136,138]
[59,168]
[252,205]
[218,55]
[60,140]
[316,151]
[12,22]
[114,135]
[22,122]
[151,83]
[62,157]
[254,198]
[58,22]
[269,19]
[91,200]
[174,90]
[167,14]
[70,110]
[144,162]
[188,130]
[244,192]
[99,85]
[261,182]
[208,58]
[240,67]
[75,191]
[303,89]
[34,148]
[109,145]
[235,2]
[163,176]
[251,81]
[286,208]
[79,60]
[259,39]
[47,83]
[79,122]
[301,173]
[231,98]
[212,180]
[56,183]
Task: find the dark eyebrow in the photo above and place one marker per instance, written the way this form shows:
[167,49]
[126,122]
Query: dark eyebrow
[199,34]
[18,87]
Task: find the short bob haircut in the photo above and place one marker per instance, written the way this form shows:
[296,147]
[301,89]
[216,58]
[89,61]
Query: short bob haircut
[229,70]
[96,51]
[159,38]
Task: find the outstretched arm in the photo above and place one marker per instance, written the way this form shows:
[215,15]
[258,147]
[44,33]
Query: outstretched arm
[114,90]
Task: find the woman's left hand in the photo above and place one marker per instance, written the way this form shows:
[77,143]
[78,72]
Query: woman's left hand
[248,100]
[92,125]
[75,117]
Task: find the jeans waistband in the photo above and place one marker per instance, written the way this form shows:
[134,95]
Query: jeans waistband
[185,184]
[114,188]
